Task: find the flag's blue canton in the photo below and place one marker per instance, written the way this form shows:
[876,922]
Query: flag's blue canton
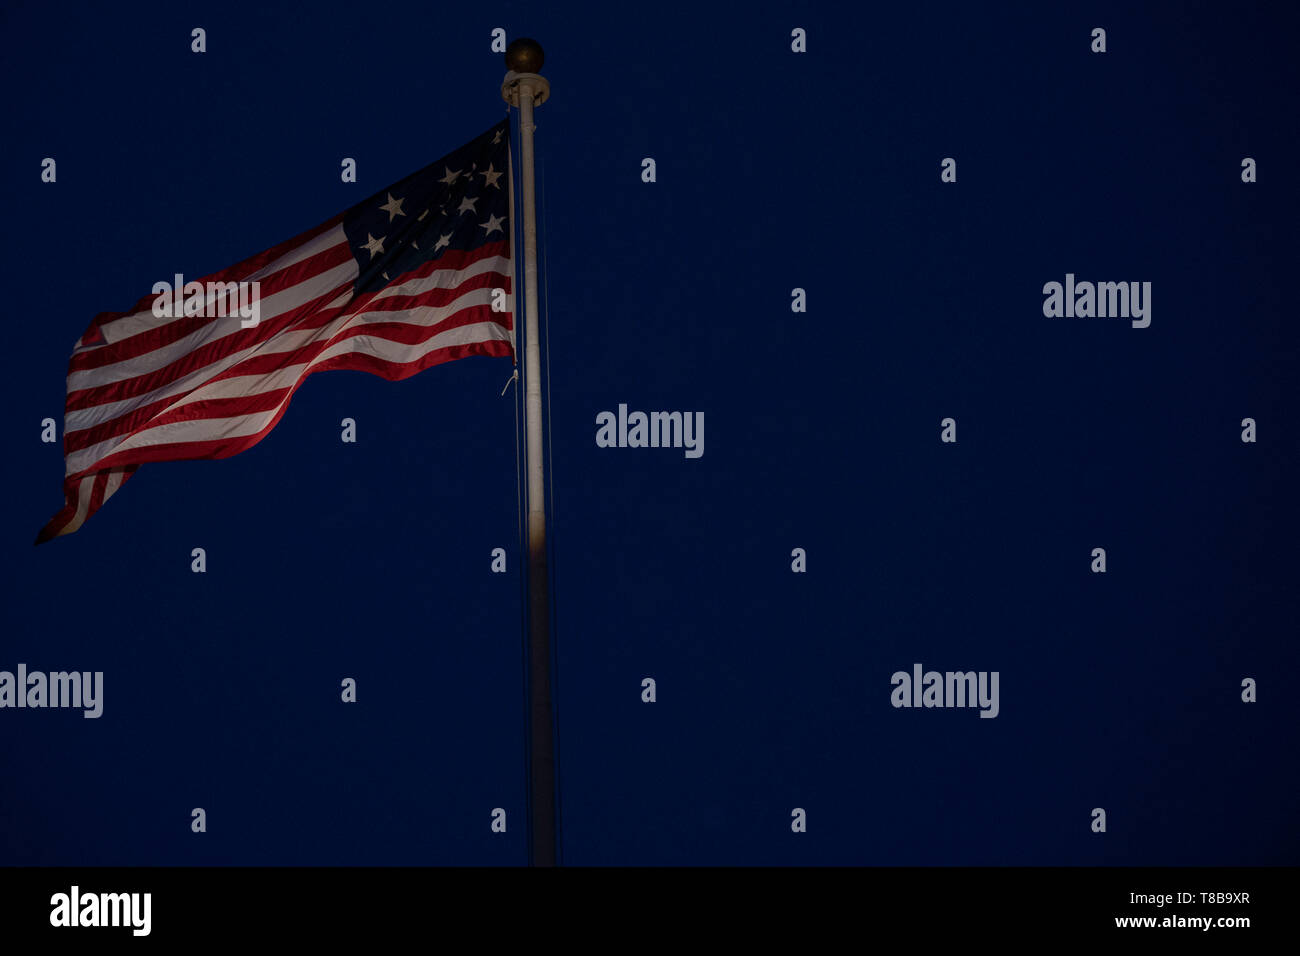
[459,202]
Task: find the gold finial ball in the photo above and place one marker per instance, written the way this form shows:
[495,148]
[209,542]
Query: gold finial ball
[525,56]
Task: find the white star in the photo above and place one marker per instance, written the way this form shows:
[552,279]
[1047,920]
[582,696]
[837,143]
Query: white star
[422,215]
[489,177]
[468,203]
[493,224]
[497,138]
[451,177]
[444,241]
[373,245]
[393,207]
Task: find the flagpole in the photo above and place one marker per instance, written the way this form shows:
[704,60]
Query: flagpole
[524,89]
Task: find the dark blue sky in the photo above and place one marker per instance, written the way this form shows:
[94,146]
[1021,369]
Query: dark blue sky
[775,170]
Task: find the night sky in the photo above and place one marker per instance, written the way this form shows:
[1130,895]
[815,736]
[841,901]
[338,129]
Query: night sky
[775,170]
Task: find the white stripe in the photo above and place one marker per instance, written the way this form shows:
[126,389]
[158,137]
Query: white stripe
[271,306]
[423,316]
[84,489]
[326,241]
[374,345]
[400,353]
[211,429]
[446,278]
[247,385]
[286,341]
[138,322]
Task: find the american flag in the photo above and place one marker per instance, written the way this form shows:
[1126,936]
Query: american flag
[399,282]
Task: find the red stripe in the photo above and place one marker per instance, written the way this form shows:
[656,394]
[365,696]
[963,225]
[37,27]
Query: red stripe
[65,515]
[371,302]
[257,364]
[200,357]
[228,345]
[97,493]
[238,270]
[232,406]
[224,448]
[71,491]
[172,330]
[155,413]
[406,333]
[434,297]
[396,371]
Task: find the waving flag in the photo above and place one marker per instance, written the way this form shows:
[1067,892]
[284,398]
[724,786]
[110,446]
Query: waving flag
[416,275]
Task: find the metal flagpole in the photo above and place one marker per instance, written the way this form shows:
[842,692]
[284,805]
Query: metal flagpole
[524,89]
